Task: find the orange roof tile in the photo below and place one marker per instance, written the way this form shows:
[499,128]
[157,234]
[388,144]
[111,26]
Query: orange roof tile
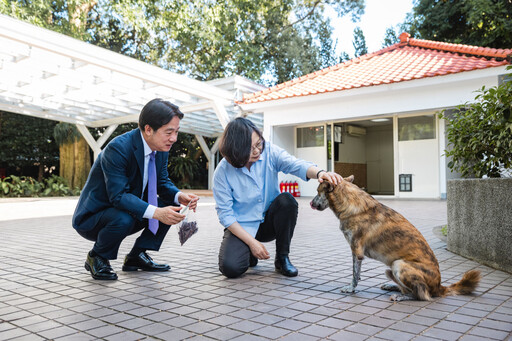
[407,60]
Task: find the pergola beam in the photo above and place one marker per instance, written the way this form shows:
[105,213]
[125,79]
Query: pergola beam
[96,144]
[221,113]
[96,148]
[52,76]
[90,54]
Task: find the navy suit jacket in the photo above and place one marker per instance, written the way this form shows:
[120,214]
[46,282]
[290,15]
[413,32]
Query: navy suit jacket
[115,180]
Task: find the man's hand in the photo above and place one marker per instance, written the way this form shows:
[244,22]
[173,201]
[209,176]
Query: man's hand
[168,215]
[185,199]
[258,250]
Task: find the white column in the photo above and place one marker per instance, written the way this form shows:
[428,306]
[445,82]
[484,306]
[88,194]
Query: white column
[96,145]
[210,155]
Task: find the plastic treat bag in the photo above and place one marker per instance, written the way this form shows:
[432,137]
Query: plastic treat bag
[187,228]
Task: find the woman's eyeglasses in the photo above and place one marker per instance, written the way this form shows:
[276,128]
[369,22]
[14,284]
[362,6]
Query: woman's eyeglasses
[258,146]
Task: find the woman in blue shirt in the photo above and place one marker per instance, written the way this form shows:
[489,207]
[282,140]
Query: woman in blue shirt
[248,201]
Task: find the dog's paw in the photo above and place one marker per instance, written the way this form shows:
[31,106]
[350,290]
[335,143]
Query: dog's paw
[348,289]
[400,297]
[390,287]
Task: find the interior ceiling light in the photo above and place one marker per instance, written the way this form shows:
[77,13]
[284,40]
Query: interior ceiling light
[380,120]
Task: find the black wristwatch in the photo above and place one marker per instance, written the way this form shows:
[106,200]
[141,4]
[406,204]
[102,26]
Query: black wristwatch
[320,171]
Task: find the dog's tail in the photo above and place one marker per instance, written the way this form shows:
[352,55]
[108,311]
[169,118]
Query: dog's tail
[465,286]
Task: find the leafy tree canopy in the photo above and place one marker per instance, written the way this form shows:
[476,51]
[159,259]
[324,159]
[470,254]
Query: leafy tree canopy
[359,43]
[273,40]
[267,41]
[390,37]
[472,22]
[26,141]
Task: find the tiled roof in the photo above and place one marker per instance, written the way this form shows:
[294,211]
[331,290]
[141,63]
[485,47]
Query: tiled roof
[407,60]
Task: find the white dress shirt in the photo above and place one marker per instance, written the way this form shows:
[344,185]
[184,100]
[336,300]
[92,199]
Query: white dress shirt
[150,211]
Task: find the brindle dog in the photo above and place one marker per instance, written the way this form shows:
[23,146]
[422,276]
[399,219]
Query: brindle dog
[376,231]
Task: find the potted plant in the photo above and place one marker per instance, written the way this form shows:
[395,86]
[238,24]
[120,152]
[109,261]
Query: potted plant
[479,205]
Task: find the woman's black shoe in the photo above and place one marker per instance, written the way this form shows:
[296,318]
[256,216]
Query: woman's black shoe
[253,261]
[285,267]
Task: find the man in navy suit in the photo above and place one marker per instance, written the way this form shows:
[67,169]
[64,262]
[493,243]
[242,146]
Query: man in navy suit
[113,203]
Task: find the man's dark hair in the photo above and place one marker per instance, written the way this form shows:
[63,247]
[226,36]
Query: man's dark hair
[236,141]
[157,113]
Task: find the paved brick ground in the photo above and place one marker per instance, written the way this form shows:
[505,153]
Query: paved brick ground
[45,292]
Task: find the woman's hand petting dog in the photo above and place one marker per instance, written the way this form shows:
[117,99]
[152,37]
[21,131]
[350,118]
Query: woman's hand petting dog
[332,177]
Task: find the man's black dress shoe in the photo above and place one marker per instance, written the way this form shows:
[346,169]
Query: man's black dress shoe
[100,268]
[143,262]
[285,267]
[253,261]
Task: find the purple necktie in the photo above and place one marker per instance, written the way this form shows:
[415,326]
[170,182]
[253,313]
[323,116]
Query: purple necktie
[152,199]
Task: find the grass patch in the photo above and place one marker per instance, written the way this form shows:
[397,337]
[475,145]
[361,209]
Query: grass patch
[444,230]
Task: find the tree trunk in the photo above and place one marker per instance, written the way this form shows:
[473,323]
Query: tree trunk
[75,162]
[82,163]
[40,173]
[66,162]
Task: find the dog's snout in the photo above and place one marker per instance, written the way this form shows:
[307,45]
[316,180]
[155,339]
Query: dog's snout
[319,203]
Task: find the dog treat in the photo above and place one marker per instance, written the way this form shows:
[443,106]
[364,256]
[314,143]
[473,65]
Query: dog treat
[187,230]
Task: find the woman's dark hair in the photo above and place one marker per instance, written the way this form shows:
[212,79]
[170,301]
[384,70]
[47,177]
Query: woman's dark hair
[236,141]
[157,113]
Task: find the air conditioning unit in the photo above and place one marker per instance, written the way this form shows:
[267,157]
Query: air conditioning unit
[356,131]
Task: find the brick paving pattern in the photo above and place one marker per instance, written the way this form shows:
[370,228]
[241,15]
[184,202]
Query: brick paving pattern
[46,294]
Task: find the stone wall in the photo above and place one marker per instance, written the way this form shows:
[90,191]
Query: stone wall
[480,220]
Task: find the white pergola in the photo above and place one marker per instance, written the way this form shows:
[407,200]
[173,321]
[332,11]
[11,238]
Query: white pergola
[49,75]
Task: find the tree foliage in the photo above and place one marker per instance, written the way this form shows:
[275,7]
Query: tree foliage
[63,16]
[391,37]
[187,162]
[472,22]
[480,134]
[359,43]
[27,142]
[267,40]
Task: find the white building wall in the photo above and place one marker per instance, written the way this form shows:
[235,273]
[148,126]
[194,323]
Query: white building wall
[442,158]
[397,99]
[284,137]
[317,155]
[421,159]
[404,97]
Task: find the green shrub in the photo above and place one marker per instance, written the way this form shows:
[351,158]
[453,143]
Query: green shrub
[20,186]
[57,186]
[182,170]
[480,134]
[25,186]
[444,230]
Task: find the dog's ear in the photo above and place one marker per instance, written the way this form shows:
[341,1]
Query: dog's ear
[325,187]
[349,178]
[329,187]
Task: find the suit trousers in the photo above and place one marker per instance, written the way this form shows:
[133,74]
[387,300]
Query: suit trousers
[279,224]
[115,225]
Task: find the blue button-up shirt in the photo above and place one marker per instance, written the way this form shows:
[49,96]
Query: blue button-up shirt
[243,195]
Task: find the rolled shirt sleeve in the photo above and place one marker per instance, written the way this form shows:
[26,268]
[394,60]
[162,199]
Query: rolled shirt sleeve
[223,197]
